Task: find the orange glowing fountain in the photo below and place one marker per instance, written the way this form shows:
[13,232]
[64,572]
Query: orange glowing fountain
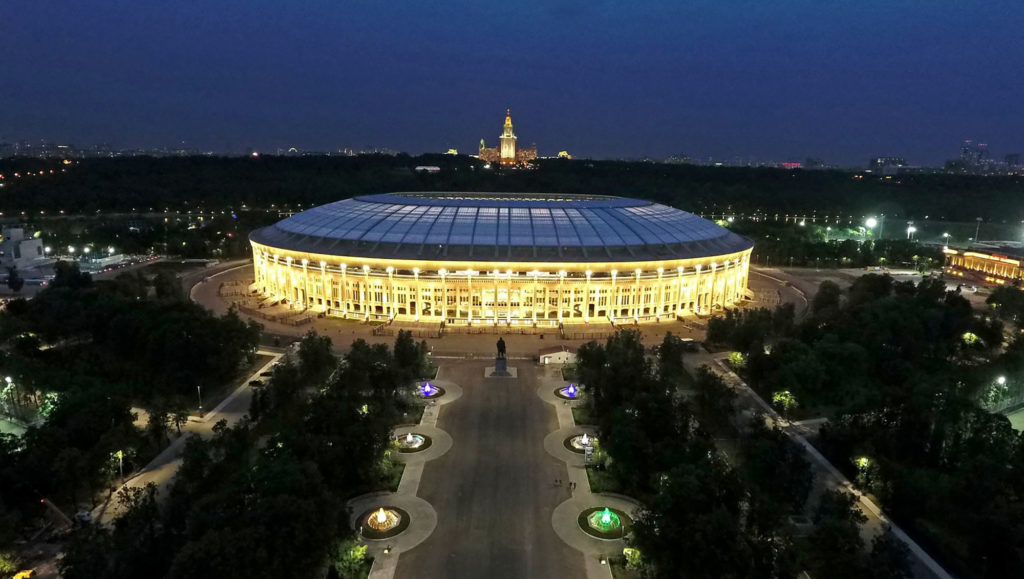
[383,520]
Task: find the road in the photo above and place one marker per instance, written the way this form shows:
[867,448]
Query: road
[164,466]
[493,491]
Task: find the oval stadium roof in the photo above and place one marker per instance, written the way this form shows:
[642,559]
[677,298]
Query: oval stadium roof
[502,227]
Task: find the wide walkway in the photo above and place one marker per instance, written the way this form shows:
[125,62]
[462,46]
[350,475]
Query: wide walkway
[494,491]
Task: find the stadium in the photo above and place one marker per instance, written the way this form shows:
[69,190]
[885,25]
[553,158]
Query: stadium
[500,259]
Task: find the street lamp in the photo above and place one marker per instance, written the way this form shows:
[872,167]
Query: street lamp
[1001,380]
[199,392]
[827,231]
[910,231]
[871,222]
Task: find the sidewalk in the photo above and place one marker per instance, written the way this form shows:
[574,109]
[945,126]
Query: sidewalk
[564,517]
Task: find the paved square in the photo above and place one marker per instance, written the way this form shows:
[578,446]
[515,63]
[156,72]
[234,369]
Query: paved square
[494,491]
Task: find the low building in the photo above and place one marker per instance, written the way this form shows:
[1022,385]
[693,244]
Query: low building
[557,355]
[987,267]
[19,251]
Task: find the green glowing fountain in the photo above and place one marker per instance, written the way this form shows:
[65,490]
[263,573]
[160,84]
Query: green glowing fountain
[604,521]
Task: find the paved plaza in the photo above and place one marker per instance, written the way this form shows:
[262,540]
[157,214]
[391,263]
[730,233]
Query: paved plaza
[494,491]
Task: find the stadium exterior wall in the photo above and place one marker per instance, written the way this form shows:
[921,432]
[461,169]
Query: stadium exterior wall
[500,292]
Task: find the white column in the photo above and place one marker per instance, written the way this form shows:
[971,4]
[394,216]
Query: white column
[344,291]
[418,293]
[586,301]
[364,294]
[325,286]
[661,292]
[636,296]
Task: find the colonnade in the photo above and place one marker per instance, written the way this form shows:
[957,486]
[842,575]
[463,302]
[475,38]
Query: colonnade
[509,293]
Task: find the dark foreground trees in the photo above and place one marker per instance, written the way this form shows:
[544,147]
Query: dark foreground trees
[265,498]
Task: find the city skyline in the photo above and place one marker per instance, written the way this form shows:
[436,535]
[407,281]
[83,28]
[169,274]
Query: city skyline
[840,83]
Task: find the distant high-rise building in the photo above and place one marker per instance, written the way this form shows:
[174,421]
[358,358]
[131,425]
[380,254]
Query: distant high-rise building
[507,153]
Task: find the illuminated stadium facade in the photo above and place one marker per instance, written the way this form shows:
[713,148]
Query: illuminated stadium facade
[497,258]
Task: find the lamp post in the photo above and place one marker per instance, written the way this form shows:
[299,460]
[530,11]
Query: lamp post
[199,393]
[945,239]
[910,231]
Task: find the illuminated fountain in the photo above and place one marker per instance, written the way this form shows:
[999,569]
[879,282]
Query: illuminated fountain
[604,521]
[383,520]
[570,392]
[580,442]
[410,441]
[428,390]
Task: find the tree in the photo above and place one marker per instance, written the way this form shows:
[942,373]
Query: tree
[889,557]
[14,280]
[156,428]
[670,360]
[835,545]
[825,303]
[179,417]
[714,400]
[316,359]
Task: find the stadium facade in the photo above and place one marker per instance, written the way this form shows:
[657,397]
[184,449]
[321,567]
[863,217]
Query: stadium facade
[500,258]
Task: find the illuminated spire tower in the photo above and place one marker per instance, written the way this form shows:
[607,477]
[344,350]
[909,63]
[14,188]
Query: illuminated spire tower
[508,141]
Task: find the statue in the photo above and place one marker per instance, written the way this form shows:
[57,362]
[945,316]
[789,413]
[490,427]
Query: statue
[501,348]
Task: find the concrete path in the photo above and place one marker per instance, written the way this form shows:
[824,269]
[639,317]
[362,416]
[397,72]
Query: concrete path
[564,519]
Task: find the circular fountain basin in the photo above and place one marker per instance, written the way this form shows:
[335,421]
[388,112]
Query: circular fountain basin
[412,442]
[383,522]
[429,391]
[570,392]
[576,443]
[605,523]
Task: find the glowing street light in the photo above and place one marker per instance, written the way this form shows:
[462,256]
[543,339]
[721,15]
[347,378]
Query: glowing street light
[1001,380]
[910,231]
[871,222]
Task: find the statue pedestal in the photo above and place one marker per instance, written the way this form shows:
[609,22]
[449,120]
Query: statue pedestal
[500,370]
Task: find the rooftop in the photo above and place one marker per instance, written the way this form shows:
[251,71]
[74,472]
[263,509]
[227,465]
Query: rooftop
[512,226]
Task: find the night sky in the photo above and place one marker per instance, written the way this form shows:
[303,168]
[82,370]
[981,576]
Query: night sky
[757,80]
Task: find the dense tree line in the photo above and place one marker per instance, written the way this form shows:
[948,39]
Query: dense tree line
[265,498]
[900,370]
[706,515]
[787,244]
[79,356]
[142,183]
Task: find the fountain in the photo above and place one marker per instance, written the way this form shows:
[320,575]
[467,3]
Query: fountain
[383,520]
[410,442]
[428,390]
[604,521]
[581,442]
[570,391]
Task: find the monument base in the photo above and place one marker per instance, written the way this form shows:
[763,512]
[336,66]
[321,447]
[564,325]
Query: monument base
[500,370]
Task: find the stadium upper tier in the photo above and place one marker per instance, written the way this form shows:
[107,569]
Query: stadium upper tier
[501,226]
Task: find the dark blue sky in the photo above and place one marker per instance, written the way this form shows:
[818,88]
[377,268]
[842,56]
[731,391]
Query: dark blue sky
[765,80]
